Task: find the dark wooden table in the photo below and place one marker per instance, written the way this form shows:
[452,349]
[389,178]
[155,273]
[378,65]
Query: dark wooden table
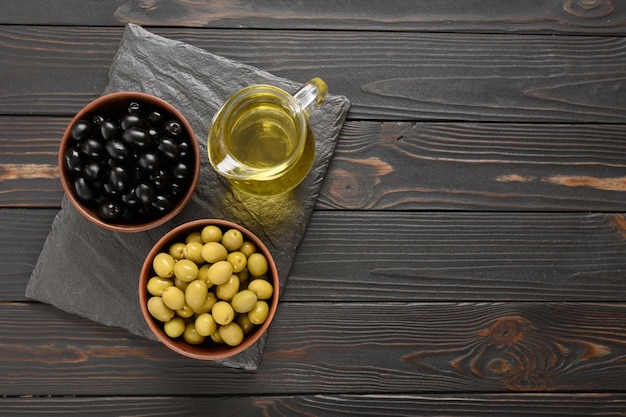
[467,255]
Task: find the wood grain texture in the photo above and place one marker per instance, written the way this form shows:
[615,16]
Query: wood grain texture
[467,254]
[29,149]
[329,405]
[534,16]
[403,76]
[460,256]
[471,166]
[407,257]
[399,166]
[22,235]
[347,348]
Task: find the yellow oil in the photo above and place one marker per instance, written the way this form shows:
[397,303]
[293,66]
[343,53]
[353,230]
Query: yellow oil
[262,135]
[289,180]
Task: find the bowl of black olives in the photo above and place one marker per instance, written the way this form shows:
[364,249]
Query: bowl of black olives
[129,161]
[208,289]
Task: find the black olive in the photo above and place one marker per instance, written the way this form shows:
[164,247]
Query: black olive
[93,171]
[93,148]
[134,107]
[109,210]
[161,180]
[97,119]
[130,199]
[117,150]
[181,171]
[155,118]
[118,179]
[154,134]
[109,130]
[81,130]
[162,204]
[173,128]
[131,120]
[176,190]
[145,193]
[168,148]
[148,161]
[133,167]
[83,190]
[108,191]
[73,160]
[137,138]
[184,149]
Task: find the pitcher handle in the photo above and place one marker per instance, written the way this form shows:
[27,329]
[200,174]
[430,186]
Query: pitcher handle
[311,95]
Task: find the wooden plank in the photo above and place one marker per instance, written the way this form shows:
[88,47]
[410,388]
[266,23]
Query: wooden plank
[460,256]
[404,257]
[399,166]
[319,348]
[534,16]
[29,149]
[403,76]
[471,166]
[328,405]
[22,235]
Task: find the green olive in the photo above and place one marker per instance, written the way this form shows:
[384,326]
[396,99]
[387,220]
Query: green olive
[196,294]
[185,312]
[213,252]
[180,284]
[244,301]
[243,277]
[228,290]
[194,237]
[175,327]
[238,260]
[257,264]
[191,336]
[219,273]
[212,284]
[203,272]
[248,248]
[223,312]
[156,285]
[244,322]
[215,337]
[186,270]
[173,298]
[177,250]
[163,265]
[159,310]
[193,252]
[232,240]
[211,233]
[206,307]
[261,288]
[259,313]
[205,324]
[231,334]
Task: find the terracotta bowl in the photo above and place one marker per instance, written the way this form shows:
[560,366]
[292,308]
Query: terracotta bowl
[207,350]
[112,107]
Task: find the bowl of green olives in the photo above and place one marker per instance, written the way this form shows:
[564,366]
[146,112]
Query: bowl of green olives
[129,161]
[208,289]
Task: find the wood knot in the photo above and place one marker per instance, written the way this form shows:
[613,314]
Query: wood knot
[352,181]
[506,331]
[589,9]
[619,224]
